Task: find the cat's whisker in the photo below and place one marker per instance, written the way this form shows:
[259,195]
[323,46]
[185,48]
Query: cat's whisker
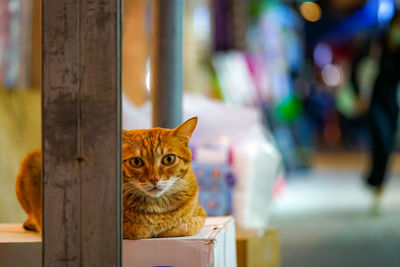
[126,188]
[125,184]
[130,183]
[129,188]
[182,182]
[131,191]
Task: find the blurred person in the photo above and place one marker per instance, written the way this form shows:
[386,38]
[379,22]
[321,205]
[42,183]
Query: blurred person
[382,111]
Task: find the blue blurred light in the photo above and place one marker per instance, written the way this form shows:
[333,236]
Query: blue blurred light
[385,10]
[322,55]
[362,19]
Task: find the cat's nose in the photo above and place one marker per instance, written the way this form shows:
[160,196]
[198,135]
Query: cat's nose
[155,181]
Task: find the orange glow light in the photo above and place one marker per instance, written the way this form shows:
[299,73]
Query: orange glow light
[310,11]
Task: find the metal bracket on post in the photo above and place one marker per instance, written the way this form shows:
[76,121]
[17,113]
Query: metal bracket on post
[167,63]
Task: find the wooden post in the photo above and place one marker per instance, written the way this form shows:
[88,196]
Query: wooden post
[166,63]
[81,109]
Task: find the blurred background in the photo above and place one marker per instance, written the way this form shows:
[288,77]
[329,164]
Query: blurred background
[282,90]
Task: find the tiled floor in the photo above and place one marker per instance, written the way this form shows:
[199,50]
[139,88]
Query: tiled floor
[324,220]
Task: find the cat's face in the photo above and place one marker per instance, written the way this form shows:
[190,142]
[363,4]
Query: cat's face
[156,161]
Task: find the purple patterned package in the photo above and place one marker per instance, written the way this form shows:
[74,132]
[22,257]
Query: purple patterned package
[215,183]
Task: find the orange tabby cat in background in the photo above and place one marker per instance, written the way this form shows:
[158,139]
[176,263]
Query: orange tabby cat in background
[160,195]
[29,189]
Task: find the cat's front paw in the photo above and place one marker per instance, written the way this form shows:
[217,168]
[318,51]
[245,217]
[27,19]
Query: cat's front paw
[181,230]
[136,231]
[190,227]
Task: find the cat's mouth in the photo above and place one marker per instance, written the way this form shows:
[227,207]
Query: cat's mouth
[155,189]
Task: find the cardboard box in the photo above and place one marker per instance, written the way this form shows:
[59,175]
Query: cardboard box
[258,248]
[214,245]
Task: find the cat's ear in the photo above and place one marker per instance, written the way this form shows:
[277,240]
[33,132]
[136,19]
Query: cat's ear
[124,137]
[186,129]
[125,132]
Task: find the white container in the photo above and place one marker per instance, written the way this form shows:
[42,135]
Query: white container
[213,246]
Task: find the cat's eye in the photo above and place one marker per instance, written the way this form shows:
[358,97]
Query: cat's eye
[136,162]
[168,159]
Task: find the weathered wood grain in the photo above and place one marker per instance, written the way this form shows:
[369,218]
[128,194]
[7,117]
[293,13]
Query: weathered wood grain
[81,133]
[100,133]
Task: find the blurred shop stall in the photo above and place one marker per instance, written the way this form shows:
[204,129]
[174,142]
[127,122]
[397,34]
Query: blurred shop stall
[256,57]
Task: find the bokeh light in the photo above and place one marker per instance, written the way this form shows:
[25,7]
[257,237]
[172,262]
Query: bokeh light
[385,10]
[322,55]
[310,11]
[332,75]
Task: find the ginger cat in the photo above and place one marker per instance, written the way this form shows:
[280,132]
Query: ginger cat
[160,195]
[29,189]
